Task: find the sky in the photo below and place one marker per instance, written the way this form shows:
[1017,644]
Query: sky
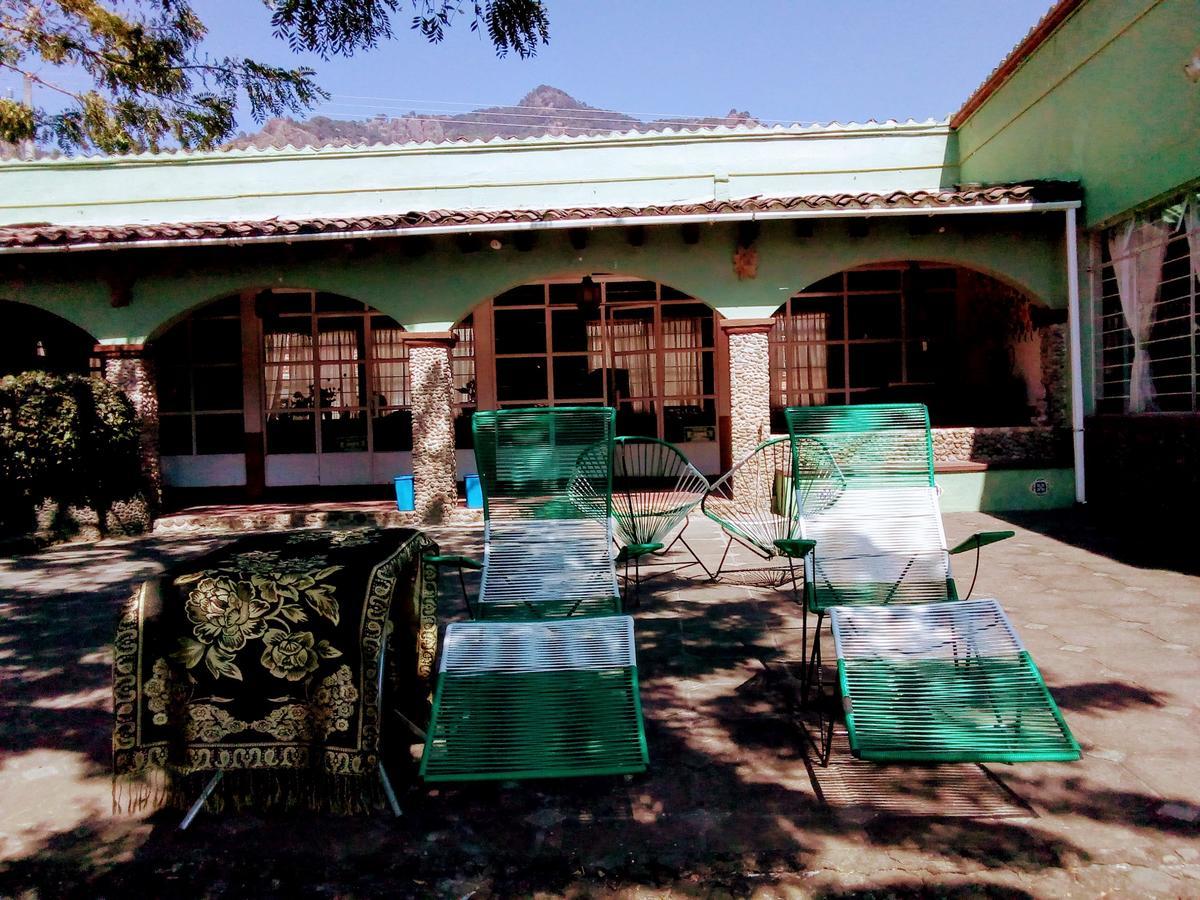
[802,60]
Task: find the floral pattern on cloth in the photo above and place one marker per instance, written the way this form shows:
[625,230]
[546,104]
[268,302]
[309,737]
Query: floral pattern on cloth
[265,654]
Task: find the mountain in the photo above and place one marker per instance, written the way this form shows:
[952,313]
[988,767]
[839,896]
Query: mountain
[544,110]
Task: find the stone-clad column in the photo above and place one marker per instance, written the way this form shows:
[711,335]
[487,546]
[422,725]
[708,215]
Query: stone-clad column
[435,474]
[128,367]
[749,383]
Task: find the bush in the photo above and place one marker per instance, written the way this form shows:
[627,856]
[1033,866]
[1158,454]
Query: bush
[66,438]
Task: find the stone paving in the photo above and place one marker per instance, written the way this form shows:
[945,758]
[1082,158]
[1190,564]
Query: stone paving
[732,804]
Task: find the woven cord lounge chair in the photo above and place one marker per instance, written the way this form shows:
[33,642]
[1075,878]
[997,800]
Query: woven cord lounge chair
[924,676]
[544,682]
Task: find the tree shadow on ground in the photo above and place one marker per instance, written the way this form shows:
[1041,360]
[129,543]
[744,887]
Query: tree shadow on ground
[1153,544]
[727,803]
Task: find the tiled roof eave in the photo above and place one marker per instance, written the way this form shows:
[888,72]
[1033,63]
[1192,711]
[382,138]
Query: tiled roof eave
[42,237]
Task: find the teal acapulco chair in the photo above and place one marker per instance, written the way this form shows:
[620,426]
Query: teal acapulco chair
[758,506]
[654,488]
[924,676]
[544,682]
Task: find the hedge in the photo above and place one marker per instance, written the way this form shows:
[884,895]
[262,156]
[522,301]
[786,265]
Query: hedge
[65,438]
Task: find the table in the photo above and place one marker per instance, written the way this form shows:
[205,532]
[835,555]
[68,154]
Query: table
[261,660]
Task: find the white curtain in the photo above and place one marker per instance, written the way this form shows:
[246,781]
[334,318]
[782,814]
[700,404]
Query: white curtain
[799,359]
[683,373]
[391,367]
[289,368]
[1137,251]
[630,348]
[340,375]
[1191,224]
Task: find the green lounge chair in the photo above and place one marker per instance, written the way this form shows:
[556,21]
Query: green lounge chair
[544,683]
[924,676]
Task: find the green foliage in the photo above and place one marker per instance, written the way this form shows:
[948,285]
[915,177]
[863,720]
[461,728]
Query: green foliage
[67,438]
[152,84]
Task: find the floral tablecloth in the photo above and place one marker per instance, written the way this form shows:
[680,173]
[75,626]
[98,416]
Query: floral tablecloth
[261,659]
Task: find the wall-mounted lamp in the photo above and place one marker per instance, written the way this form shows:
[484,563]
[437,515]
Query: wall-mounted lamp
[1191,68]
[589,297]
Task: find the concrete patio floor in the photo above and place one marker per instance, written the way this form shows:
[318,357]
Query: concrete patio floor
[731,805]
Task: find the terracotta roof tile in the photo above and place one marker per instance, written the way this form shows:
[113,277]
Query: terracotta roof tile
[45,235]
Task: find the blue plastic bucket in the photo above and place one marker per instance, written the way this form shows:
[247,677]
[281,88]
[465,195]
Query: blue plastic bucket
[405,499]
[474,492]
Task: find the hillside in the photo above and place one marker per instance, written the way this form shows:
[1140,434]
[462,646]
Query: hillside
[544,110]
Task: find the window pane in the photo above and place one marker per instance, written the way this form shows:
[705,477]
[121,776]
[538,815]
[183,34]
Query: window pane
[220,434]
[344,431]
[464,438]
[390,384]
[340,338]
[335,303]
[570,328]
[393,430]
[175,435]
[341,385]
[637,418]
[520,331]
[874,317]
[524,295]
[931,315]
[567,294]
[174,389]
[291,433]
[822,317]
[298,302]
[217,340]
[521,379]
[689,422]
[575,379]
[874,366]
[873,280]
[625,291]
[219,387]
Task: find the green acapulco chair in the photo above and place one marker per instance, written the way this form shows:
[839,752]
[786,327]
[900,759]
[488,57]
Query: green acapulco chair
[544,683]
[654,488]
[924,676]
[758,506]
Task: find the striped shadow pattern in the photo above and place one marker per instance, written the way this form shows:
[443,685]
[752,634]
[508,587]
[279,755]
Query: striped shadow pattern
[944,682]
[548,699]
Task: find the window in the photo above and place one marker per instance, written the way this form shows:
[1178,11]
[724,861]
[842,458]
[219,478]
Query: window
[636,345]
[336,376]
[1147,286]
[462,359]
[199,376]
[861,336]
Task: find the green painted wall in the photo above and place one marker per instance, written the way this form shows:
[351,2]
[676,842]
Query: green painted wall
[444,284]
[999,490]
[1104,100]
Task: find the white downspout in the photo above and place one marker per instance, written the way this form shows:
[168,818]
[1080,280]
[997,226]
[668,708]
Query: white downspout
[1076,355]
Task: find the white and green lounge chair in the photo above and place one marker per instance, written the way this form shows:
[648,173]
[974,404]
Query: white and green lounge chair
[924,676]
[544,683]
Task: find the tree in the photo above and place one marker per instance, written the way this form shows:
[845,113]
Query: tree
[152,82]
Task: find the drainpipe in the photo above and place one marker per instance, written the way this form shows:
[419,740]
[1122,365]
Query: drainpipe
[1076,355]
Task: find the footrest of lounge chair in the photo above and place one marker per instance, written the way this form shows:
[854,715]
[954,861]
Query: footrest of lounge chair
[536,700]
[944,682]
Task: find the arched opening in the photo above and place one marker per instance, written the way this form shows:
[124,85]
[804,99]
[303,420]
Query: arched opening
[309,388]
[639,346]
[36,340]
[960,341]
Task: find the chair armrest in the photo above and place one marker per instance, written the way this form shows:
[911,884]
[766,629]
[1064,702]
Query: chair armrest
[464,562]
[796,548]
[982,539]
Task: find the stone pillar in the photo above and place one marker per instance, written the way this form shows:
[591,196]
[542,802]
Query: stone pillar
[128,367]
[749,383]
[435,473]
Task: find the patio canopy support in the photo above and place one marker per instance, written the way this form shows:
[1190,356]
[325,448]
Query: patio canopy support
[1071,237]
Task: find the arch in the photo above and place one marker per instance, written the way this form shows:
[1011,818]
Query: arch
[960,340]
[37,339]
